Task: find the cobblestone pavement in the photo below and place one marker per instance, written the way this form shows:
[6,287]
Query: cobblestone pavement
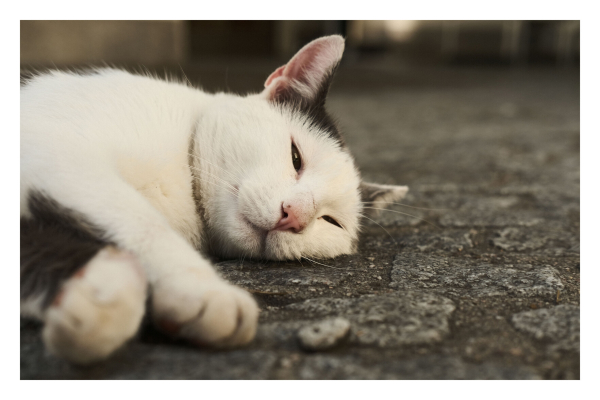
[480,282]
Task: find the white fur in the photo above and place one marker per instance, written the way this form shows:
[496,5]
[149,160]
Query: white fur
[97,310]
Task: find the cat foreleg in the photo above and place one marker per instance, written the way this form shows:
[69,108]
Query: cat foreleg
[189,299]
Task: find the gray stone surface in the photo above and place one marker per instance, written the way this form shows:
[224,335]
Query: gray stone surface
[387,320]
[139,360]
[480,281]
[513,239]
[285,275]
[427,367]
[417,271]
[559,325]
[537,241]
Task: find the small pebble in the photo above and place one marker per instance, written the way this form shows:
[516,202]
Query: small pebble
[323,334]
[286,363]
[379,277]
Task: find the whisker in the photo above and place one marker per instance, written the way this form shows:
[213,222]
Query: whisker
[235,179]
[410,215]
[381,228]
[216,177]
[314,262]
[329,266]
[230,188]
[217,185]
[404,205]
[243,258]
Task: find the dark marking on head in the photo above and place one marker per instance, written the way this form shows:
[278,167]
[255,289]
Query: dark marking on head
[55,243]
[313,108]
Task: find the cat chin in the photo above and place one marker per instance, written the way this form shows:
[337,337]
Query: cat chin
[252,242]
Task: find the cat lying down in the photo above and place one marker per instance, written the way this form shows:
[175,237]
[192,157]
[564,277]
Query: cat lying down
[127,180]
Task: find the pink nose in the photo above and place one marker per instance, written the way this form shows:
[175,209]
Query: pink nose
[289,221]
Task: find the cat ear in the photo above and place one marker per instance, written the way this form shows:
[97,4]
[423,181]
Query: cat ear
[307,76]
[379,196]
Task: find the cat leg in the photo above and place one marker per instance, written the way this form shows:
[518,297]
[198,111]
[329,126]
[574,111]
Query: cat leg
[90,295]
[204,310]
[98,309]
[189,299]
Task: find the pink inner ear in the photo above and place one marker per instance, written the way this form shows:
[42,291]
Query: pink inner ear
[306,63]
[278,72]
[309,65]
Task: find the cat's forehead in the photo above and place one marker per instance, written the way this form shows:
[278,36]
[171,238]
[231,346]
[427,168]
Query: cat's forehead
[326,159]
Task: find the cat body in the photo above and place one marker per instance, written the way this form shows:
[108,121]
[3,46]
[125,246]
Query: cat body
[127,180]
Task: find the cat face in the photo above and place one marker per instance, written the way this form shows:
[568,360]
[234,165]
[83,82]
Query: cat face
[277,180]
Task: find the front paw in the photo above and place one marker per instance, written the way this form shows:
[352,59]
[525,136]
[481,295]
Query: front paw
[204,310]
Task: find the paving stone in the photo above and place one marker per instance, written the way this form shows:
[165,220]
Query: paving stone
[558,325]
[425,367]
[537,241]
[484,218]
[387,320]
[450,241]
[419,271]
[512,239]
[262,276]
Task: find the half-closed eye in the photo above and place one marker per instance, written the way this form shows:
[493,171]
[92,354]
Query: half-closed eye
[331,220]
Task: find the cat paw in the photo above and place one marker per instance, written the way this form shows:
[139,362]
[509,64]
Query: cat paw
[98,309]
[204,310]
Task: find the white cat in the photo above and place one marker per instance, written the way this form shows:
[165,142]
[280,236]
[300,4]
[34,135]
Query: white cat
[126,180]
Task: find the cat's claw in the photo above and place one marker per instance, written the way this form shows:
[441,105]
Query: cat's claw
[204,311]
[98,309]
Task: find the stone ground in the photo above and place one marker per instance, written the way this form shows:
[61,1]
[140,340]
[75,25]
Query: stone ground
[481,281]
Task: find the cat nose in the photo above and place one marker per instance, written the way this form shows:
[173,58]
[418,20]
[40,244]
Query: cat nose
[289,220]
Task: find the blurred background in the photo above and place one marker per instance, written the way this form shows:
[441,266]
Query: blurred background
[255,44]
[171,42]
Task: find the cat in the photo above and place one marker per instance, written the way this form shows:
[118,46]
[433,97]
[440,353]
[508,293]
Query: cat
[128,182]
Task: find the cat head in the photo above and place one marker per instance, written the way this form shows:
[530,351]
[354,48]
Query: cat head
[277,180]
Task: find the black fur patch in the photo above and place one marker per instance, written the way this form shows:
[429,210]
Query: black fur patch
[55,243]
[314,108]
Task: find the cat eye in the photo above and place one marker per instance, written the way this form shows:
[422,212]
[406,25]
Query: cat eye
[331,220]
[296,160]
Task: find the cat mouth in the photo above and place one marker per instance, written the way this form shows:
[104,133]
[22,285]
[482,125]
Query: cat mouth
[262,238]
